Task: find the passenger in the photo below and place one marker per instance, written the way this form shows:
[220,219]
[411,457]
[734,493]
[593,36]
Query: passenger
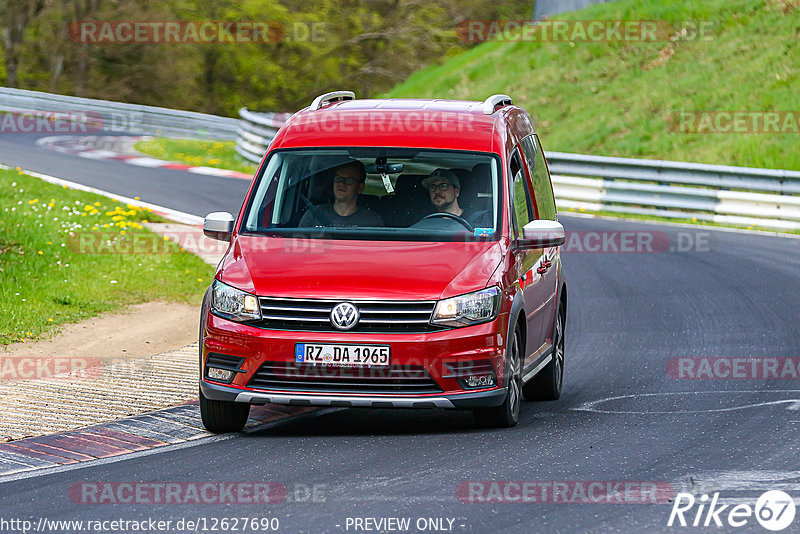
[444,187]
[348,182]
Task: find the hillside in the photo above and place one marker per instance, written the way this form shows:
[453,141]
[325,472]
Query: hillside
[623,98]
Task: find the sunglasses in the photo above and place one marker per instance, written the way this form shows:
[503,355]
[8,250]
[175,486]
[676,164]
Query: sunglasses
[346,180]
[444,186]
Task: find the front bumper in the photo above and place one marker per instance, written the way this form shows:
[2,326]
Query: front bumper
[480,399]
[432,350]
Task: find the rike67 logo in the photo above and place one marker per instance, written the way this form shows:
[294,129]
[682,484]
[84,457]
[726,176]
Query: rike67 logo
[774,510]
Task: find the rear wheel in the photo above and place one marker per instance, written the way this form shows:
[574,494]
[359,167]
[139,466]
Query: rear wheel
[507,414]
[220,417]
[547,384]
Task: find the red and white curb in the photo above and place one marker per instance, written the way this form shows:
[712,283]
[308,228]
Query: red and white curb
[162,428]
[86,147]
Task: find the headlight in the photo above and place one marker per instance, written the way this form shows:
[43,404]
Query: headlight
[233,304]
[464,310]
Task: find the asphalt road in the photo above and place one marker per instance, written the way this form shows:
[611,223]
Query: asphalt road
[190,193]
[728,295]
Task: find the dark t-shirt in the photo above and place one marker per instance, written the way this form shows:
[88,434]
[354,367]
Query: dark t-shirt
[325,215]
[477,218]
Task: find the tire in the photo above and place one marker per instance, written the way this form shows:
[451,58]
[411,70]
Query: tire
[507,414]
[546,386]
[220,417]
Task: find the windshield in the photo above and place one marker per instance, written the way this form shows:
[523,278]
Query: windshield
[377,193]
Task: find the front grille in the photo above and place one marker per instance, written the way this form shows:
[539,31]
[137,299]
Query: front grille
[380,316]
[396,379]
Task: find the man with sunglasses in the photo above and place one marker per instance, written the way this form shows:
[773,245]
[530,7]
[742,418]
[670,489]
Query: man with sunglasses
[348,183]
[444,187]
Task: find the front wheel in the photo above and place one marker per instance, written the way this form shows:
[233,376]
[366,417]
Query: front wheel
[220,417]
[507,414]
[546,385]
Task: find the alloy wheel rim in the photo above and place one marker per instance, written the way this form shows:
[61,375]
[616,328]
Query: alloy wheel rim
[559,350]
[515,387]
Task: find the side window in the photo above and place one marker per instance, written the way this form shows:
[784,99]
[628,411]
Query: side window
[542,188]
[523,212]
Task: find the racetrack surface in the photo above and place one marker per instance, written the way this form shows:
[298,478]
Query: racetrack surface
[728,295]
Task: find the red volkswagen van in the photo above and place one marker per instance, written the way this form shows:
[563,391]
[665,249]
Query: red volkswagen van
[389,254]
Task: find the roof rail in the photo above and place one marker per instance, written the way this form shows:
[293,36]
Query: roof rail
[335,96]
[493,101]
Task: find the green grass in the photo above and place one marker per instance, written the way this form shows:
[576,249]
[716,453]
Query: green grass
[48,279]
[211,153]
[617,99]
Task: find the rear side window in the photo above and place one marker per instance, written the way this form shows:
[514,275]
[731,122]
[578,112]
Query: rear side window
[523,212]
[542,188]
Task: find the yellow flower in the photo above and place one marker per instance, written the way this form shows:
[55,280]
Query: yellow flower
[49,243]
[94,228]
[19,168]
[40,252]
[122,232]
[117,218]
[50,319]
[187,271]
[34,201]
[136,198]
[96,203]
[199,279]
[88,207]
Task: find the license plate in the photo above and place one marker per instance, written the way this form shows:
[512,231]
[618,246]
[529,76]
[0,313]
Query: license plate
[343,355]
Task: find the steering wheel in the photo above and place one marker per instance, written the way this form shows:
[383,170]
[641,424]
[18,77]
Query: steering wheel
[446,215]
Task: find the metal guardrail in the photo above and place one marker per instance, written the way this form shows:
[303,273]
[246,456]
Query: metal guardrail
[715,193]
[256,131]
[120,118]
[718,193]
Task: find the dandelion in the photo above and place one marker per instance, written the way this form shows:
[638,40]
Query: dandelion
[199,279]
[34,201]
[40,253]
[50,319]
[136,198]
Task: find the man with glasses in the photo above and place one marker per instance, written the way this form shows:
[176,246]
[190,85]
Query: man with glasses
[348,182]
[444,187]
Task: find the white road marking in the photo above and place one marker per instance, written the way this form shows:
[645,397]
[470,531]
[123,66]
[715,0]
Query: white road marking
[593,406]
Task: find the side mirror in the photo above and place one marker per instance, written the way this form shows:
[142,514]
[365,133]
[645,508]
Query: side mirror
[218,225]
[542,234]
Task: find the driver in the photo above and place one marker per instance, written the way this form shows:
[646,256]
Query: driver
[444,187]
[348,182]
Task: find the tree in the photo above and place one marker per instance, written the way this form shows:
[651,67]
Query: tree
[15,16]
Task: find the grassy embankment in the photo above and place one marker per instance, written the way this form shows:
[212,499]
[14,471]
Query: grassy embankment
[211,153]
[67,255]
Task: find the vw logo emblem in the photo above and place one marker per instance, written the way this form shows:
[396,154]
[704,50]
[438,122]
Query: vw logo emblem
[344,316]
